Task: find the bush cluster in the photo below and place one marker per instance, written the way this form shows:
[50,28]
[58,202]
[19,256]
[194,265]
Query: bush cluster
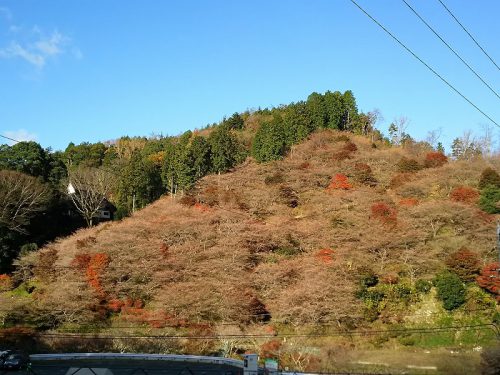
[450,290]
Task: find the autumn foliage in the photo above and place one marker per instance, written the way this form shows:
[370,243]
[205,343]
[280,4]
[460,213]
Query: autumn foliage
[325,255]
[97,264]
[270,349]
[464,263]
[5,282]
[435,159]
[408,202]
[381,211]
[489,279]
[339,181]
[464,194]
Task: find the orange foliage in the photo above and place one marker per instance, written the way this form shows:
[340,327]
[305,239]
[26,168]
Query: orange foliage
[325,255]
[5,282]
[464,194]
[384,213]
[408,202]
[81,261]
[489,279]
[201,207]
[339,181]
[115,305]
[270,349]
[305,165]
[435,159]
[98,262]
[390,279]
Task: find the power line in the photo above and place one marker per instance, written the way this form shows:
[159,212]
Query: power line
[424,63]
[469,34]
[10,139]
[335,333]
[450,48]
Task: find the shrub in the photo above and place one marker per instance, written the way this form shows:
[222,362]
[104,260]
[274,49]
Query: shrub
[423,286]
[489,279]
[85,242]
[98,262]
[399,180]
[390,279]
[341,155]
[288,196]
[339,181]
[367,277]
[350,147]
[363,174]
[81,261]
[406,165]
[276,178]
[450,290]
[435,159]
[489,199]
[464,194]
[45,269]
[188,200]
[464,263]
[489,177]
[342,138]
[270,349]
[384,213]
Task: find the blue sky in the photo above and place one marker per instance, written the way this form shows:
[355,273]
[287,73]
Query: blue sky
[74,71]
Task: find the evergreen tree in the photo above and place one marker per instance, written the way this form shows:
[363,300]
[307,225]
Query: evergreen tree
[270,141]
[316,107]
[235,121]
[335,110]
[225,149]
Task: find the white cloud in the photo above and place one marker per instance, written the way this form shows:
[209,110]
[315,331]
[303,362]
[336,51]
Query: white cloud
[34,45]
[40,51]
[19,135]
[15,50]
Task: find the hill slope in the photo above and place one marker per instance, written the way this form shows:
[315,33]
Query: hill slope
[282,245]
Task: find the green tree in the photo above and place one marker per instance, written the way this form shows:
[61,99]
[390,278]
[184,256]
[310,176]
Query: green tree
[489,200]
[235,121]
[225,149]
[140,180]
[350,110]
[200,155]
[335,110]
[26,157]
[270,141]
[316,107]
[298,123]
[450,290]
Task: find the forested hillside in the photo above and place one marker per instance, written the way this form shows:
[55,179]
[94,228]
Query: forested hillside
[298,232]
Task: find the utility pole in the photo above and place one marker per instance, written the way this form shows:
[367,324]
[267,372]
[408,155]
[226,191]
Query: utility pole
[133,203]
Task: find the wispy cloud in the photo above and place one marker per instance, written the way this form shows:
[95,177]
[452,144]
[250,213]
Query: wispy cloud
[5,13]
[19,135]
[34,45]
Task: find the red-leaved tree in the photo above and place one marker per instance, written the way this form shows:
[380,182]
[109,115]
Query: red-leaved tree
[489,279]
[464,194]
[435,159]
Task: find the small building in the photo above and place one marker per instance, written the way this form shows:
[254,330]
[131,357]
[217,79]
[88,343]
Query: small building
[106,211]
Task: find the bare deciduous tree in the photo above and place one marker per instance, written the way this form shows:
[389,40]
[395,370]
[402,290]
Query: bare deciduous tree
[21,197]
[88,188]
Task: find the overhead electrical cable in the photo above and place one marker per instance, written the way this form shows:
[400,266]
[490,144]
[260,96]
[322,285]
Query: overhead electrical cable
[469,34]
[424,63]
[450,48]
[10,139]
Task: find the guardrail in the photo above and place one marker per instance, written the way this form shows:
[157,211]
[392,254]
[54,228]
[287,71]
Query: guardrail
[142,357]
